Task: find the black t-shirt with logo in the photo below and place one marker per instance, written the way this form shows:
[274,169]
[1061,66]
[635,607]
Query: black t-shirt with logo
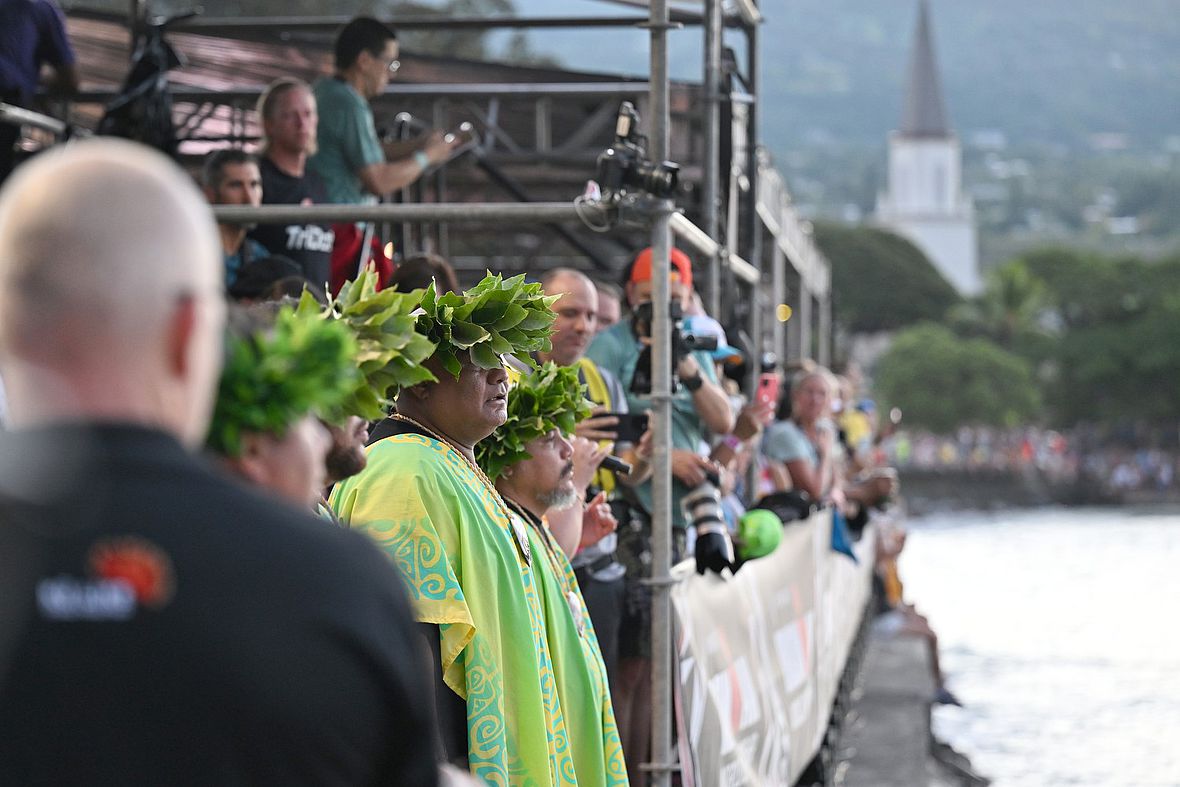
[163,625]
[308,244]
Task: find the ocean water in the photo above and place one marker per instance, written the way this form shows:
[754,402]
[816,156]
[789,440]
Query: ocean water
[1060,632]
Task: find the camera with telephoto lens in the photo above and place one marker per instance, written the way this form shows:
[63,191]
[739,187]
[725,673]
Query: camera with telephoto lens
[683,342]
[702,508]
[624,166]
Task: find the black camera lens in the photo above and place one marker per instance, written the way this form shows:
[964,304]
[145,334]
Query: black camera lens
[702,506]
[659,180]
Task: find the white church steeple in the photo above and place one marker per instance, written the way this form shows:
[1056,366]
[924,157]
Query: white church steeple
[925,200]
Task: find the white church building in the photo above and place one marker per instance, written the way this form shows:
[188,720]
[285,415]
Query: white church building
[925,201]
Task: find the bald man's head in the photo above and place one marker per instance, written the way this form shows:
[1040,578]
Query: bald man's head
[110,269]
[576,309]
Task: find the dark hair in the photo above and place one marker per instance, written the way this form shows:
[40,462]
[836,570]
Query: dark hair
[293,287]
[363,34]
[256,279]
[609,287]
[213,170]
[418,271]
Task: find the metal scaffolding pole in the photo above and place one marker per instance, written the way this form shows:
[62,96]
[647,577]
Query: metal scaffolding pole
[823,352]
[778,274]
[711,174]
[753,230]
[662,763]
[805,318]
[754,37]
[471,212]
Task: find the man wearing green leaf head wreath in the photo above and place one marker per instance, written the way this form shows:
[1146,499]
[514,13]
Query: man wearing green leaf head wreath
[531,461]
[282,370]
[469,563]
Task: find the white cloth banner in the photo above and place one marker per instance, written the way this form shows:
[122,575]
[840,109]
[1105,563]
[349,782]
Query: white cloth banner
[760,655]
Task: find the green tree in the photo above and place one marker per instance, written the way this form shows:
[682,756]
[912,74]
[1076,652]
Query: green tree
[881,281]
[1118,356]
[941,381]
[1012,311]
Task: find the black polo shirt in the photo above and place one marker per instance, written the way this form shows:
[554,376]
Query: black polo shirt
[169,626]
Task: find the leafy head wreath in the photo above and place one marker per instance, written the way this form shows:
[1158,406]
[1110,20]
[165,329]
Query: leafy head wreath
[495,317]
[548,398]
[397,332]
[390,346]
[276,374]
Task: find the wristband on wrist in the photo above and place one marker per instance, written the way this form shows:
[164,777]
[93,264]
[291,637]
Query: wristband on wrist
[712,527]
[733,443]
[422,160]
[693,383]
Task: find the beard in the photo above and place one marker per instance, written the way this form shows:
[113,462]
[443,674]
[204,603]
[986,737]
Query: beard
[344,461]
[564,495]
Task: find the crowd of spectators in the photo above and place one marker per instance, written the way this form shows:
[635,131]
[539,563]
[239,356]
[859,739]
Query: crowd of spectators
[519,517]
[1062,459]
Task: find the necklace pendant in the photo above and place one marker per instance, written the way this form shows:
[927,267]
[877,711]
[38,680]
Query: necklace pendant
[576,610]
[522,539]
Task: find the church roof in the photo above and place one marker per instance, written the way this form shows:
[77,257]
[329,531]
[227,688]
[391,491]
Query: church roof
[924,114]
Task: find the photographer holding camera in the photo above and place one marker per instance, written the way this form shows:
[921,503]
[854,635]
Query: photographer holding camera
[699,407]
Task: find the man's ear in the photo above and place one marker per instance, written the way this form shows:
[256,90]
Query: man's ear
[251,463]
[181,336]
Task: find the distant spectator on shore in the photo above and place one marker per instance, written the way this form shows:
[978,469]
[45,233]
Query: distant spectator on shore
[806,455]
[855,428]
[32,34]
[231,177]
[350,158]
[288,117]
[894,615]
[417,272]
[801,447]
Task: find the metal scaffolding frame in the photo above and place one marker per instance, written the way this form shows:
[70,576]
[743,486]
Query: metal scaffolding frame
[765,219]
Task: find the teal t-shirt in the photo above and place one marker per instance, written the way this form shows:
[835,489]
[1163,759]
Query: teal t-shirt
[785,442]
[346,141]
[617,350]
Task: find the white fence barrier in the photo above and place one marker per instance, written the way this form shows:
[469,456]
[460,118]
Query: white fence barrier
[760,656]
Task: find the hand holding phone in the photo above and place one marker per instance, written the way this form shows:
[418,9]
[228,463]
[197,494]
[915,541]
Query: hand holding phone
[767,392]
[630,427]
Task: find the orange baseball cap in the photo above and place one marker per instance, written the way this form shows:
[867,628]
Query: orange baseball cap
[681,267]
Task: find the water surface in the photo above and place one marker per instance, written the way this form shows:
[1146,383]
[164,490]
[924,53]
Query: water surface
[1060,631]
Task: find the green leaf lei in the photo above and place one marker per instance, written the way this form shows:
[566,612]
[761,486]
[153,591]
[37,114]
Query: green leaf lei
[274,377]
[495,317]
[548,398]
[391,347]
